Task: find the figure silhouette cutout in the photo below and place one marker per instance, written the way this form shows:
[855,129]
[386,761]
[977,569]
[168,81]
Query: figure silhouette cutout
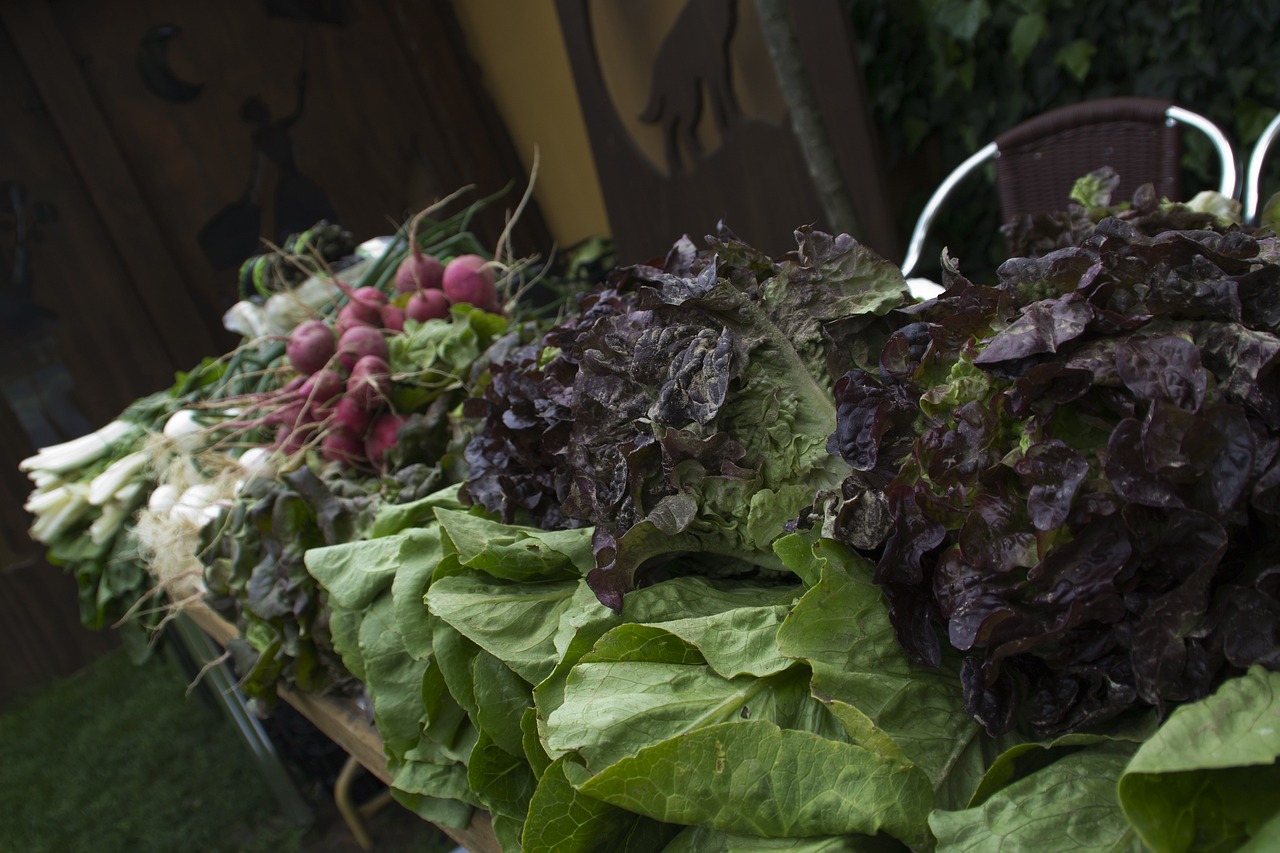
[234,233]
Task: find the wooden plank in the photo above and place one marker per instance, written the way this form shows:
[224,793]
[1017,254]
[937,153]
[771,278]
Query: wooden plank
[15,544]
[98,327]
[466,134]
[328,119]
[755,179]
[112,189]
[343,722]
[41,636]
[211,623]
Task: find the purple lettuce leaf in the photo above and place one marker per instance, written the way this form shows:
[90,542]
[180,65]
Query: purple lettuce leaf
[1093,524]
[688,407]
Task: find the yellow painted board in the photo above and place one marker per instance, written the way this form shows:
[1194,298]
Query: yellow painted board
[522,56]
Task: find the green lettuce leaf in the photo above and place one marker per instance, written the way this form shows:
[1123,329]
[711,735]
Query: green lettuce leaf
[563,820]
[736,642]
[448,733]
[1208,779]
[643,705]
[841,629]
[1267,837]
[391,518]
[453,654]
[584,620]
[414,777]
[412,578]
[502,698]
[502,782]
[537,757]
[344,627]
[393,677]
[750,776]
[617,701]
[517,553]
[612,709]
[515,622]
[703,839]
[1024,758]
[1069,805]
[354,573]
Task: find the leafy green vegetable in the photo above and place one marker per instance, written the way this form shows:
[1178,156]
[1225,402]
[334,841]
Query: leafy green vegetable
[643,706]
[384,633]
[676,400]
[1025,758]
[515,622]
[841,629]
[1208,779]
[702,839]
[1069,805]
[437,360]
[562,820]
[1074,469]
[257,580]
[752,776]
[111,582]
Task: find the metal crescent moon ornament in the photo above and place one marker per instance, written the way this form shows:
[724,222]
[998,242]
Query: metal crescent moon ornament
[153,65]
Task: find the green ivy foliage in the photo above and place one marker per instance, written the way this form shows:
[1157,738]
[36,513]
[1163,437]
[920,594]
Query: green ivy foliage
[947,76]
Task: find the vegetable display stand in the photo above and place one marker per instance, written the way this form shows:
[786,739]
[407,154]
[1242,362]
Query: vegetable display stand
[743,553]
[343,723]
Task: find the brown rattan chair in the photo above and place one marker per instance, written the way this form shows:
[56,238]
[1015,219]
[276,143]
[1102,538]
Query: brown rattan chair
[1038,161]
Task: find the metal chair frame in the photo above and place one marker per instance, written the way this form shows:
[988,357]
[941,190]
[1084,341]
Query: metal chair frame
[1174,115]
[1253,174]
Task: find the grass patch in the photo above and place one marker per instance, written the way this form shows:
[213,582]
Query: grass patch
[116,759]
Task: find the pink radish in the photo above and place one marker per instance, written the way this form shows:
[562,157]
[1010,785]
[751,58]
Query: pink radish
[383,436]
[291,440]
[369,383]
[289,414]
[366,303]
[351,418]
[321,387]
[341,446]
[468,278]
[427,305]
[392,318]
[360,341]
[418,272]
[350,316]
[310,346]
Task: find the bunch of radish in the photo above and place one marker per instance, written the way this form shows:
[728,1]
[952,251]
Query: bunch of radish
[339,402]
[341,395]
[433,286]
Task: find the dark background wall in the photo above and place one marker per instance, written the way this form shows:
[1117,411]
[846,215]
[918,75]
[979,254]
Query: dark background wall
[148,150]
